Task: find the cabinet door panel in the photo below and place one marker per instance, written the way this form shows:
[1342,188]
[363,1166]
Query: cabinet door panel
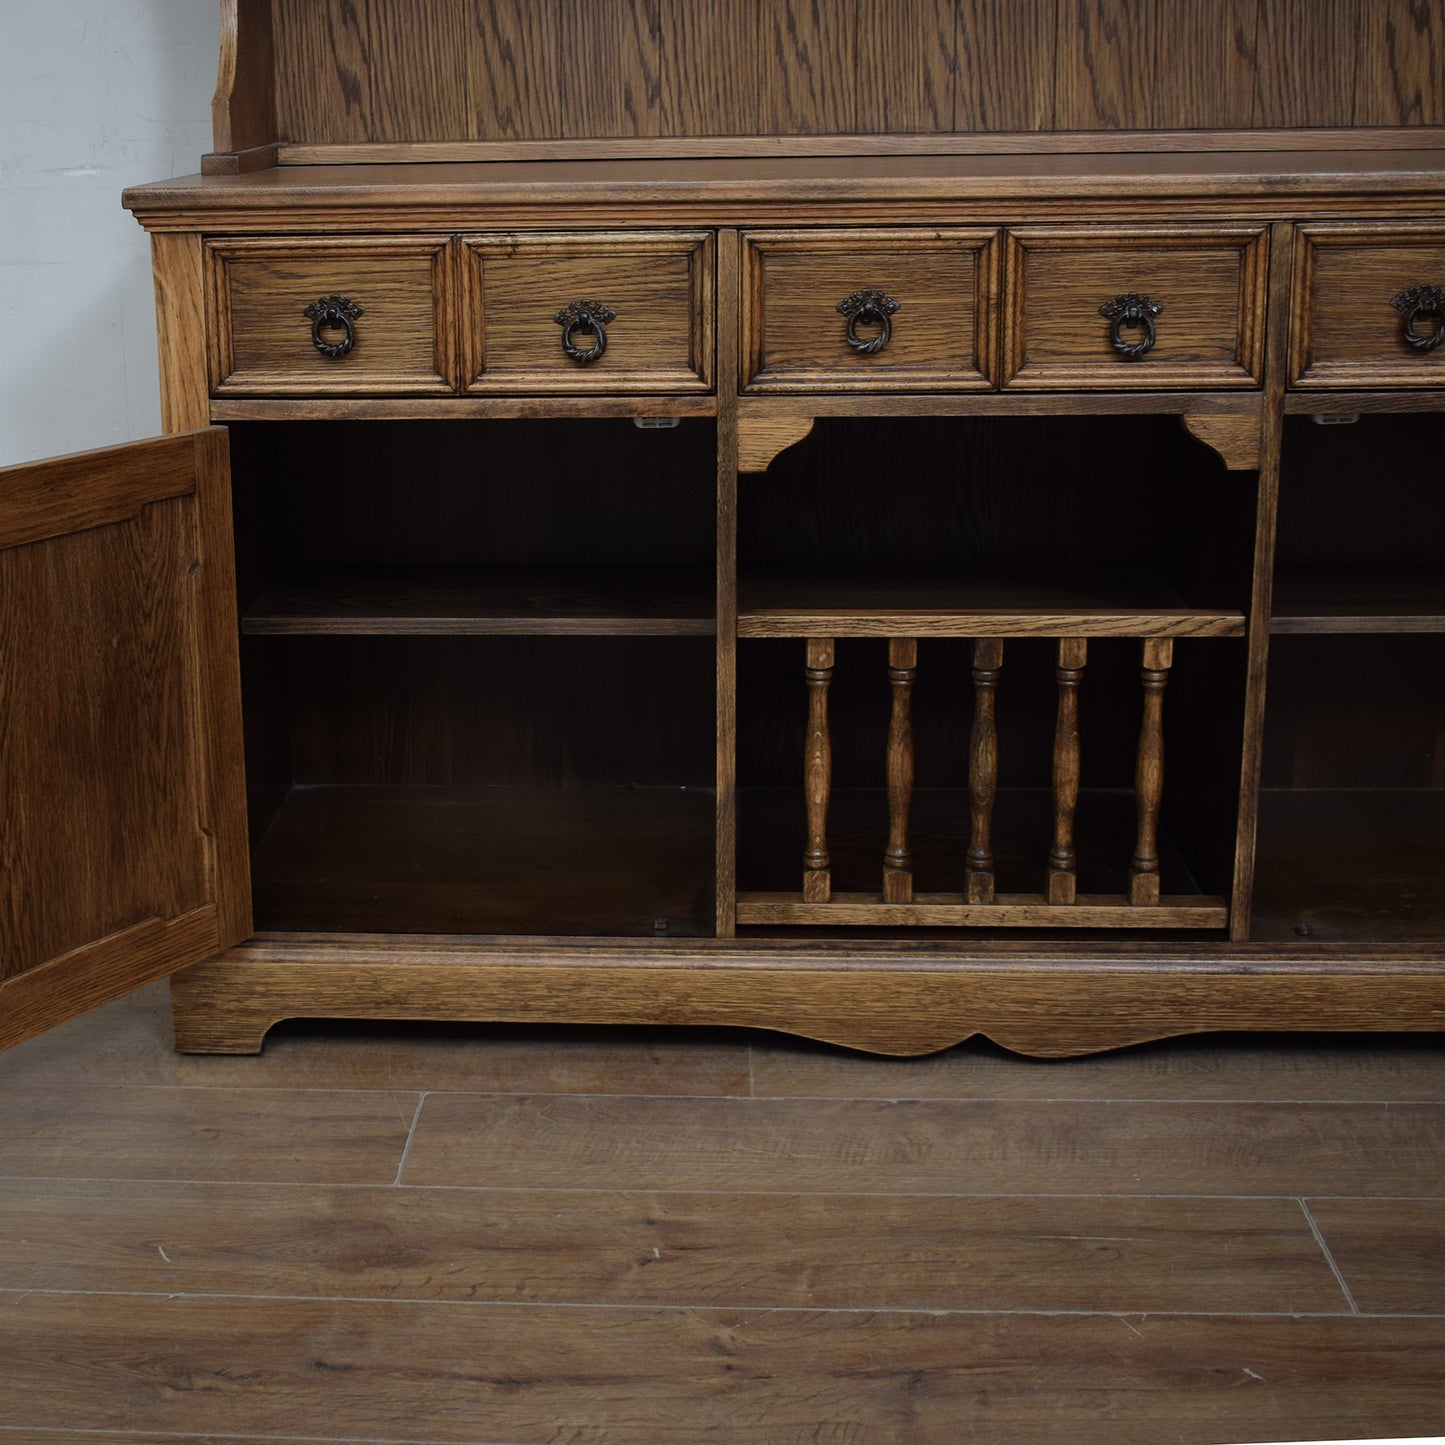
[122,851]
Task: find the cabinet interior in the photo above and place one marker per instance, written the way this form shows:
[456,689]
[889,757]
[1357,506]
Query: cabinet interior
[478,665]
[477,675]
[1352,806]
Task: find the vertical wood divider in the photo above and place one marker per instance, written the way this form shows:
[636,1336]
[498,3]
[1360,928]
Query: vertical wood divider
[729,303]
[898,860]
[818,771]
[1062,880]
[1282,242]
[983,768]
[1149,771]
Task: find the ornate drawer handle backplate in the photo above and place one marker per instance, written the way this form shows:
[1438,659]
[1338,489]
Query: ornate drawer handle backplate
[584,316]
[873,307]
[1131,309]
[330,313]
[1417,303]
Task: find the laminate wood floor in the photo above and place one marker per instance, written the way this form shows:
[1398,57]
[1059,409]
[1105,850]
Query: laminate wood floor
[504,1235]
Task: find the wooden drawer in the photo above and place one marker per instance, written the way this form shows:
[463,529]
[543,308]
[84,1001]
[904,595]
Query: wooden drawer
[267,340]
[796,332]
[1346,330]
[655,288]
[1208,284]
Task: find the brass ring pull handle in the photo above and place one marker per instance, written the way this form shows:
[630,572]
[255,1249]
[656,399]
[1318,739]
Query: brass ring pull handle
[1131,309]
[873,307]
[584,316]
[1419,303]
[328,313]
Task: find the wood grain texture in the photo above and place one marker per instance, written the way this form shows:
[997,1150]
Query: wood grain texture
[178,270]
[897,856]
[1399,63]
[1224,1067]
[759,69]
[968,910]
[807,73]
[1007,67]
[1388,1251]
[1209,283]
[757,1251]
[262,341]
[795,340]
[243,111]
[817,769]
[1236,439]
[758,1378]
[1158,658]
[217,685]
[905,65]
[1125,63]
[1069,673]
[1345,332]
[1308,61]
[925,1147]
[129,1042]
[729,307]
[883,996]
[709,63]
[660,284]
[104,739]
[361,70]
[760,439]
[71,1131]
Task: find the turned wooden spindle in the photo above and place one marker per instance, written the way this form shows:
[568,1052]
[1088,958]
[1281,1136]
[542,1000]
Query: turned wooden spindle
[1149,771]
[1063,885]
[818,772]
[897,860]
[983,768]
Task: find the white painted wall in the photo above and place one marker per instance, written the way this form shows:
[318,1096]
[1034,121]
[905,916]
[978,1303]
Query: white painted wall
[95,95]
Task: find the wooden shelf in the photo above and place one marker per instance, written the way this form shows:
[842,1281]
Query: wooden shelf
[952,910]
[1350,865]
[771,841]
[1062,602]
[1373,599]
[491,601]
[576,861]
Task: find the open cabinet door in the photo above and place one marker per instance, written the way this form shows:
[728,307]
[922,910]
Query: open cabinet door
[122,800]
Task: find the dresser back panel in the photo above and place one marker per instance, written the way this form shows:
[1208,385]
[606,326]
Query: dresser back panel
[328,72]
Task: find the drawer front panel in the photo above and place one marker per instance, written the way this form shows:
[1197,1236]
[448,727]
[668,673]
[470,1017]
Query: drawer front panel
[651,292]
[1346,330]
[276,331]
[1201,289]
[922,317]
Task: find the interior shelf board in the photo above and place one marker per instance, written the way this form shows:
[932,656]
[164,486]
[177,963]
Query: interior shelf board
[1375,599]
[491,601]
[591,861]
[1057,602]
[1350,865]
[1009,910]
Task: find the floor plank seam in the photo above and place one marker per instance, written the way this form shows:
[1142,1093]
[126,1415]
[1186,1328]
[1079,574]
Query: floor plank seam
[410,1135]
[742,1307]
[685,1189]
[1329,1257]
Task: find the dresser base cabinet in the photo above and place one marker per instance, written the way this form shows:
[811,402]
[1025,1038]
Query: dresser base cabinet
[876,561]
